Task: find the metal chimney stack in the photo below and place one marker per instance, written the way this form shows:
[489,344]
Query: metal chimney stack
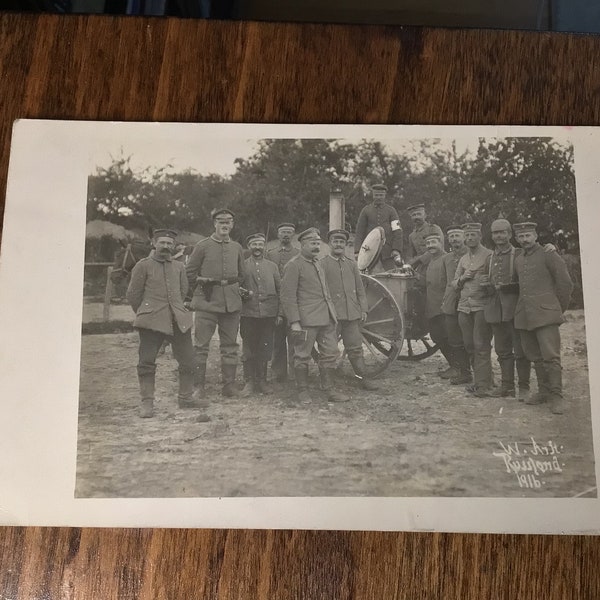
[337,209]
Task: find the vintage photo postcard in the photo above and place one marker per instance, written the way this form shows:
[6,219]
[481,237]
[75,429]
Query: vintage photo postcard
[301,326]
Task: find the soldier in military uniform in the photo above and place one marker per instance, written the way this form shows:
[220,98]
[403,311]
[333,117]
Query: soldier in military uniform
[281,255]
[156,293]
[545,289]
[418,256]
[460,366]
[435,279]
[215,270]
[308,307]
[349,299]
[476,331]
[499,311]
[379,213]
[260,308]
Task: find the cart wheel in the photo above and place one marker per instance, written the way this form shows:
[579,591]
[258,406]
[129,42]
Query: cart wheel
[418,349]
[383,330]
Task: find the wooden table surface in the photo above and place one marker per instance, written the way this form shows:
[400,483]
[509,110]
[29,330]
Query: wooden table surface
[124,68]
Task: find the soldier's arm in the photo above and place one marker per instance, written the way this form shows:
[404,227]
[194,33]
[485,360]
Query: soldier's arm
[241,266]
[193,268]
[361,231]
[135,290]
[360,290]
[397,233]
[457,282]
[563,284]
[289,292]
[183,280]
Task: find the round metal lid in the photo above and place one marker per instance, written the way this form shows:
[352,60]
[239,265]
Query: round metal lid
[369,252]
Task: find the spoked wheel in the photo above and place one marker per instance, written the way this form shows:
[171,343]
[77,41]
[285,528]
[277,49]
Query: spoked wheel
[418,349]
[383,330]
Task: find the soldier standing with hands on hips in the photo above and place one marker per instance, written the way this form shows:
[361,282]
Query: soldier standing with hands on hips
[349,299]
[545,289]
[156,293]
[310,312]
[215,270]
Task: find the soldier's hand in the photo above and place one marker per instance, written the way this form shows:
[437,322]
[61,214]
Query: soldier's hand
[398,259]
[187,304]
[295,326]
[278,321]
[363,317]
[485,280]
[549,248]
[468,274]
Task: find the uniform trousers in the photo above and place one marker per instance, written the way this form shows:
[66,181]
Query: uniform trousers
[228,325]
[327,344]
[453,331]
[351,336]
[477,338]
[542,348]
[257,338]
[151,342]
[283,350]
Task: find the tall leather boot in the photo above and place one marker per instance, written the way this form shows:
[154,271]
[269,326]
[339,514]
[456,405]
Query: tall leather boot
[524,377]
[360,368]
[200,379]
[507,385]
[463,364]
[448,353]
[261,384]
[542,381]
[230,389]
[147,393]
[328,387]
[555,398]
[301,376]
[249,376]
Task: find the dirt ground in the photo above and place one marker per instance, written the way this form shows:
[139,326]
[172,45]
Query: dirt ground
[416,436]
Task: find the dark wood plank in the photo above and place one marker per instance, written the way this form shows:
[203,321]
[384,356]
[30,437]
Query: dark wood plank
[156,69]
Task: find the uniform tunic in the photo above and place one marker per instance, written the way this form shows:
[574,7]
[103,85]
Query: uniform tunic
[435,285]
[156,293]
[473,297]
[501,269]
[281,256]
[345,287]
[261,278]
[221,261]
[379,215]
[305,298]
[451,259]
[545,288]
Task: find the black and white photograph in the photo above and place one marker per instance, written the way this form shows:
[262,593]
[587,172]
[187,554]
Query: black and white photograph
[335,317]
[319,312]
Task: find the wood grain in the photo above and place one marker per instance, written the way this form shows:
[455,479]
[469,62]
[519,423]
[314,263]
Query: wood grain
[112,68]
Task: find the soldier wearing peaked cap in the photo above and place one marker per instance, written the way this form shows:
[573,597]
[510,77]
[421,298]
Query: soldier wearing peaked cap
[156,293]
[545,289]
[499,311]
[308,307]
[215,270]
[380,214]
[349,299]
[418,256]
[282,348]
[476,331]
[259,312]
[460,366]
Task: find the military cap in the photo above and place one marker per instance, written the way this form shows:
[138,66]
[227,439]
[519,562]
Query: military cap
[522,227]
[312,233]
[290,225]
[380,187]
[432,236]
[501,225]
[471,227]
[255,236]
[415,207]
[338,233]
[164,233]
[454,229]
[216,212]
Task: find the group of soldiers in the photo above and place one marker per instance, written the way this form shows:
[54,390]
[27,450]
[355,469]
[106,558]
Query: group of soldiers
[286,301]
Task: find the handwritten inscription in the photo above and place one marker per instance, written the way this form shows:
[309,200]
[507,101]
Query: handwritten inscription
[531,462]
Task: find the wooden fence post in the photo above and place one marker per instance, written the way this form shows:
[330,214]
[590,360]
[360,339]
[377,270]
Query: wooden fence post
[107,295]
